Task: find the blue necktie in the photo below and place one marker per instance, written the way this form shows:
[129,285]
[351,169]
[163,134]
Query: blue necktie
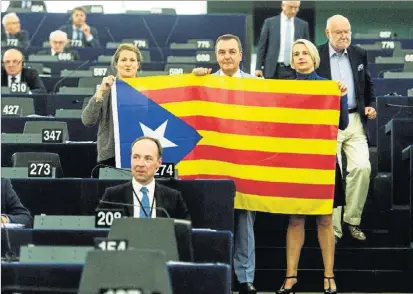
[79,34]
[145,204]
[287,45]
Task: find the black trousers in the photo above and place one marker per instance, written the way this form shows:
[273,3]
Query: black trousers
[283,72]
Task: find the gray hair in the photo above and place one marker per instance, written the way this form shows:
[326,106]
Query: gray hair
[57,33]
[330,19]
[7,16]
[285,2]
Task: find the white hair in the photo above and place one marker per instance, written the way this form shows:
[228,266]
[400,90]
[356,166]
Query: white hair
[57,33]
[330,19]
[285,2]
[8,16]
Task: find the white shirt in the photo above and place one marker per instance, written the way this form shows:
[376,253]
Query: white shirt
[237,74]
[18,79]
[151,192]
[283,28]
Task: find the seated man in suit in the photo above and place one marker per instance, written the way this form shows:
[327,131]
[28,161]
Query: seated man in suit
[12,210]
[13,71]
[35,6]
[79,31]
[143,192]
[13,35]
[58,41]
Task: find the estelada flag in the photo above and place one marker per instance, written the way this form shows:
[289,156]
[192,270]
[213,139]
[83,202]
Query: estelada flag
[276,139]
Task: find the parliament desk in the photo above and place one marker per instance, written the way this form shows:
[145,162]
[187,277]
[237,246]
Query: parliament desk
[386,86]
[401,132]
[77,159]
[210,202]
[77,130]
[186,278]
[389,107]
[208,245]
[405,43]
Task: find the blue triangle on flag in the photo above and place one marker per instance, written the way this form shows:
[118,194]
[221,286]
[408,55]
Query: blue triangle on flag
[138,113]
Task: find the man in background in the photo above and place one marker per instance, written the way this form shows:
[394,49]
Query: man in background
[58,44]
[13,35]
[36,6]
[13,71]
[277,35]
[80,31]
[12,210]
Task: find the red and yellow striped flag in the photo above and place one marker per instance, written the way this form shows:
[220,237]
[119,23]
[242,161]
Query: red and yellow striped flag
[276,139]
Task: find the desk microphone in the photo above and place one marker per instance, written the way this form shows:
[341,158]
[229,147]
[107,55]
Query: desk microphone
[110,34]
[133,205]
[71,73]
[398,105]
[10,256]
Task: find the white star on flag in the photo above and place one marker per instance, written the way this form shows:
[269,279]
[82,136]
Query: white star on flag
[159,134]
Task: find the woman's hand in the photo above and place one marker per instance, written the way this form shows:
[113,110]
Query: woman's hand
[105,86]
[342,87]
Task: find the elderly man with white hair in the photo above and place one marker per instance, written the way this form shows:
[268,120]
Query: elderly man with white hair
[347,63]
[277,35]
[13,35]
[58,45]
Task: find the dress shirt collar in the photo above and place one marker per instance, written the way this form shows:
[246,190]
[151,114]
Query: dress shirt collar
[237,74]
[333,52]
[137,187]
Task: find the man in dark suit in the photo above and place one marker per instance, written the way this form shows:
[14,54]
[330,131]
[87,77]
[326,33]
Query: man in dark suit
[347,63]
[12,210]
[13,35]
[80,31]
[58,42]
[13,71]
[143,192]
[36,6]
[277,35]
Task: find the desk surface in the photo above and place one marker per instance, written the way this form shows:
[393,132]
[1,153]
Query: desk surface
[397,121]
[210,202]
[407,153]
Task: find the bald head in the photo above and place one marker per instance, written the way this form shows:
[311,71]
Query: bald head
[338,32]
[58,41]
[11,23]
[12,60]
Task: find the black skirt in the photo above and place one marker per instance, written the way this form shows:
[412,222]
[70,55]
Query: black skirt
[339,192]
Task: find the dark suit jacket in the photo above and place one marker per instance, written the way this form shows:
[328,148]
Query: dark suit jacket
[363,85]
[268,48]
[22,36]
[165,197]
[68,29]
[30,76]
[75,55]
[11,205]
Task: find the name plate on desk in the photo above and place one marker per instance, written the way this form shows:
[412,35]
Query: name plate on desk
[52,136]
[19,88]
[64,56]
[166,170]
[105,217]
[111,244]
[100,71]
[37,8]
[10,110]
[122,291]
[204,44]
[76,43]
[40,170]
[140,44]
[12,42]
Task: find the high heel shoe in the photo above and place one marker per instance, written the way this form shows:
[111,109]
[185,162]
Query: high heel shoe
[284,290]
[329,290]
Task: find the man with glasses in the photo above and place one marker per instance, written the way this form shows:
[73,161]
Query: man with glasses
[58,41]
[347,63]
[13,35]
[13,72]
[277,35]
